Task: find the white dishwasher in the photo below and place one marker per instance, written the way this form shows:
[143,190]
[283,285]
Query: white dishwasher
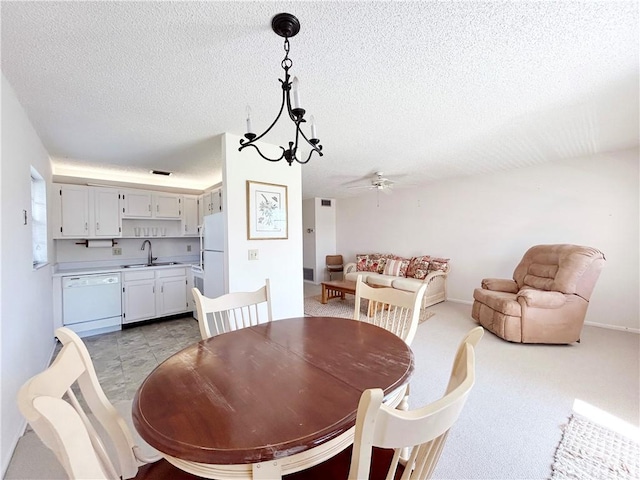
[92,304]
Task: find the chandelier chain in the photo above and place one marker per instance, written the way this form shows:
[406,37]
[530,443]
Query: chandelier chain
[287,63]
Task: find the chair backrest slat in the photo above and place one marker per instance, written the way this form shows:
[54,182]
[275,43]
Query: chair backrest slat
[392,309]
[232,311]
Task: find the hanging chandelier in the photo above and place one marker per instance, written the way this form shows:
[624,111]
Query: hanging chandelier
[287,26]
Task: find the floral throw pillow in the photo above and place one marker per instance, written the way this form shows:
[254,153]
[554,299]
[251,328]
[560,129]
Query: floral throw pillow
[361,263]
[373,262]
[439,264]
[419,267]
[376,263]
[404,265]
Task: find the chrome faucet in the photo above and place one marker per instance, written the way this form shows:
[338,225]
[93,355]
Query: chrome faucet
[150,258]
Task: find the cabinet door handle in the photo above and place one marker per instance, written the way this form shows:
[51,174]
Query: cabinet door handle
[97,225]
[86,226]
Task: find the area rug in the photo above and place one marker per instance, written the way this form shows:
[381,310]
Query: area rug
[343,308]
[590,451]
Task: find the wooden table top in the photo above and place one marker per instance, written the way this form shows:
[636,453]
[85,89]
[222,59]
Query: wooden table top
[269,391]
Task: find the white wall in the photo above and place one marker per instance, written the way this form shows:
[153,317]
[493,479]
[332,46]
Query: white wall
[26,305]
[486,222]
[325,231]
[309,237]
[322,240]
[279,260]
[164,248]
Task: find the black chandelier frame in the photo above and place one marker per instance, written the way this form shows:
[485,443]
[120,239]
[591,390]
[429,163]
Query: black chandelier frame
[287,26]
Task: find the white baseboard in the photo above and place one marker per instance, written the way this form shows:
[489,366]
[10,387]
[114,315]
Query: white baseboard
[456,300]
[591,324]
[613,327]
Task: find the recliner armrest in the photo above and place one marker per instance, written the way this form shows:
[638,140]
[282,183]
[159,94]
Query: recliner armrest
[500,285]
[541,298]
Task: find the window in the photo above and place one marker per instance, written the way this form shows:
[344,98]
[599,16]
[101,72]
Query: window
[38,219]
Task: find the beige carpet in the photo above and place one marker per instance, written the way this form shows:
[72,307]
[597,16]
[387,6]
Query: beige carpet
[590,451]
[344,308]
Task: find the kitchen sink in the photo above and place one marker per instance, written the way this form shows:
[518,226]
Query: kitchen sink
[155,264]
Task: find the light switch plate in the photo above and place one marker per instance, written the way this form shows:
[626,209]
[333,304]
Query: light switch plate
[253,254]
[117,251]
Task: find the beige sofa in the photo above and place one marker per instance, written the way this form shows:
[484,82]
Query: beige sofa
[403,273]
[547,300]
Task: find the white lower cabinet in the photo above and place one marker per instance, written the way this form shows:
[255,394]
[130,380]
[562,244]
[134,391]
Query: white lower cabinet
[138,299]
[151,293]
[171,291]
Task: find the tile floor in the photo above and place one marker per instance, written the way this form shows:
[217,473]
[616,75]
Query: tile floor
[124,359]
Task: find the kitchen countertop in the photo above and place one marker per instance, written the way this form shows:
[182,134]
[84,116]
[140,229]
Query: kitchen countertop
[61,270]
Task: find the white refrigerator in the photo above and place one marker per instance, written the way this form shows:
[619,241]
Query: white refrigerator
[212,254]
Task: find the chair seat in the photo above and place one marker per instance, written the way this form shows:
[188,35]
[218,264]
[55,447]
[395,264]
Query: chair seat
[337,467]
[503,302]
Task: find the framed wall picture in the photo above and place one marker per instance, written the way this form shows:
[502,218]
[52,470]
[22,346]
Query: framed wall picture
[266,211]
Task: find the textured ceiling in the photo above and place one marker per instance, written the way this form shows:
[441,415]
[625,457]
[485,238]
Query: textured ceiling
[419,90]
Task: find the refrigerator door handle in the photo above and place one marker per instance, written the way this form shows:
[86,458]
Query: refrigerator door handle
[201,228]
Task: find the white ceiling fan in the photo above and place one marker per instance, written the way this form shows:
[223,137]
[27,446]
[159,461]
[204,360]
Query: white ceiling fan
[379,182]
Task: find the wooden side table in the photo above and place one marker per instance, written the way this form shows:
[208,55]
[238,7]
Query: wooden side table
[337,289]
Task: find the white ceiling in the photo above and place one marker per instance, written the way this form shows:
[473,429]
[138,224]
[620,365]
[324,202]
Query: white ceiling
[419,90]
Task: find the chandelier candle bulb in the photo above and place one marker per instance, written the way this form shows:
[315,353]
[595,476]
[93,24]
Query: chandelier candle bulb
[296,93]
[249,129]
[314,133]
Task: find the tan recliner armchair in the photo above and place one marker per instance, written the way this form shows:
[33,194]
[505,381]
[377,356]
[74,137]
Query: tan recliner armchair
[546,301]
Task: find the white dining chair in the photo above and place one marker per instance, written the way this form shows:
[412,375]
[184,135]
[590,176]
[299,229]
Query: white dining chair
[233,310]
[49,403]
[394,310]
[382,433]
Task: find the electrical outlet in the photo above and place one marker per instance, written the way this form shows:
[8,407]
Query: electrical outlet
[117,251]
[188,248]
[253,254]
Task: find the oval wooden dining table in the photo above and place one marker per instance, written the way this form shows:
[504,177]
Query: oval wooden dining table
[267,400]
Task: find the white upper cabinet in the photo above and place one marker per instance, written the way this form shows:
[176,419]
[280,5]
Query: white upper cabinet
[136,203]
[148,204]
[167,205]
[202,207]
[189,215]
[86,212]
[211,202]
[216,200]
[73,210]
[105,215]
[81,211]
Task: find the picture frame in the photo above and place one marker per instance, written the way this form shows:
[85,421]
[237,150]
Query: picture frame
[267,211]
